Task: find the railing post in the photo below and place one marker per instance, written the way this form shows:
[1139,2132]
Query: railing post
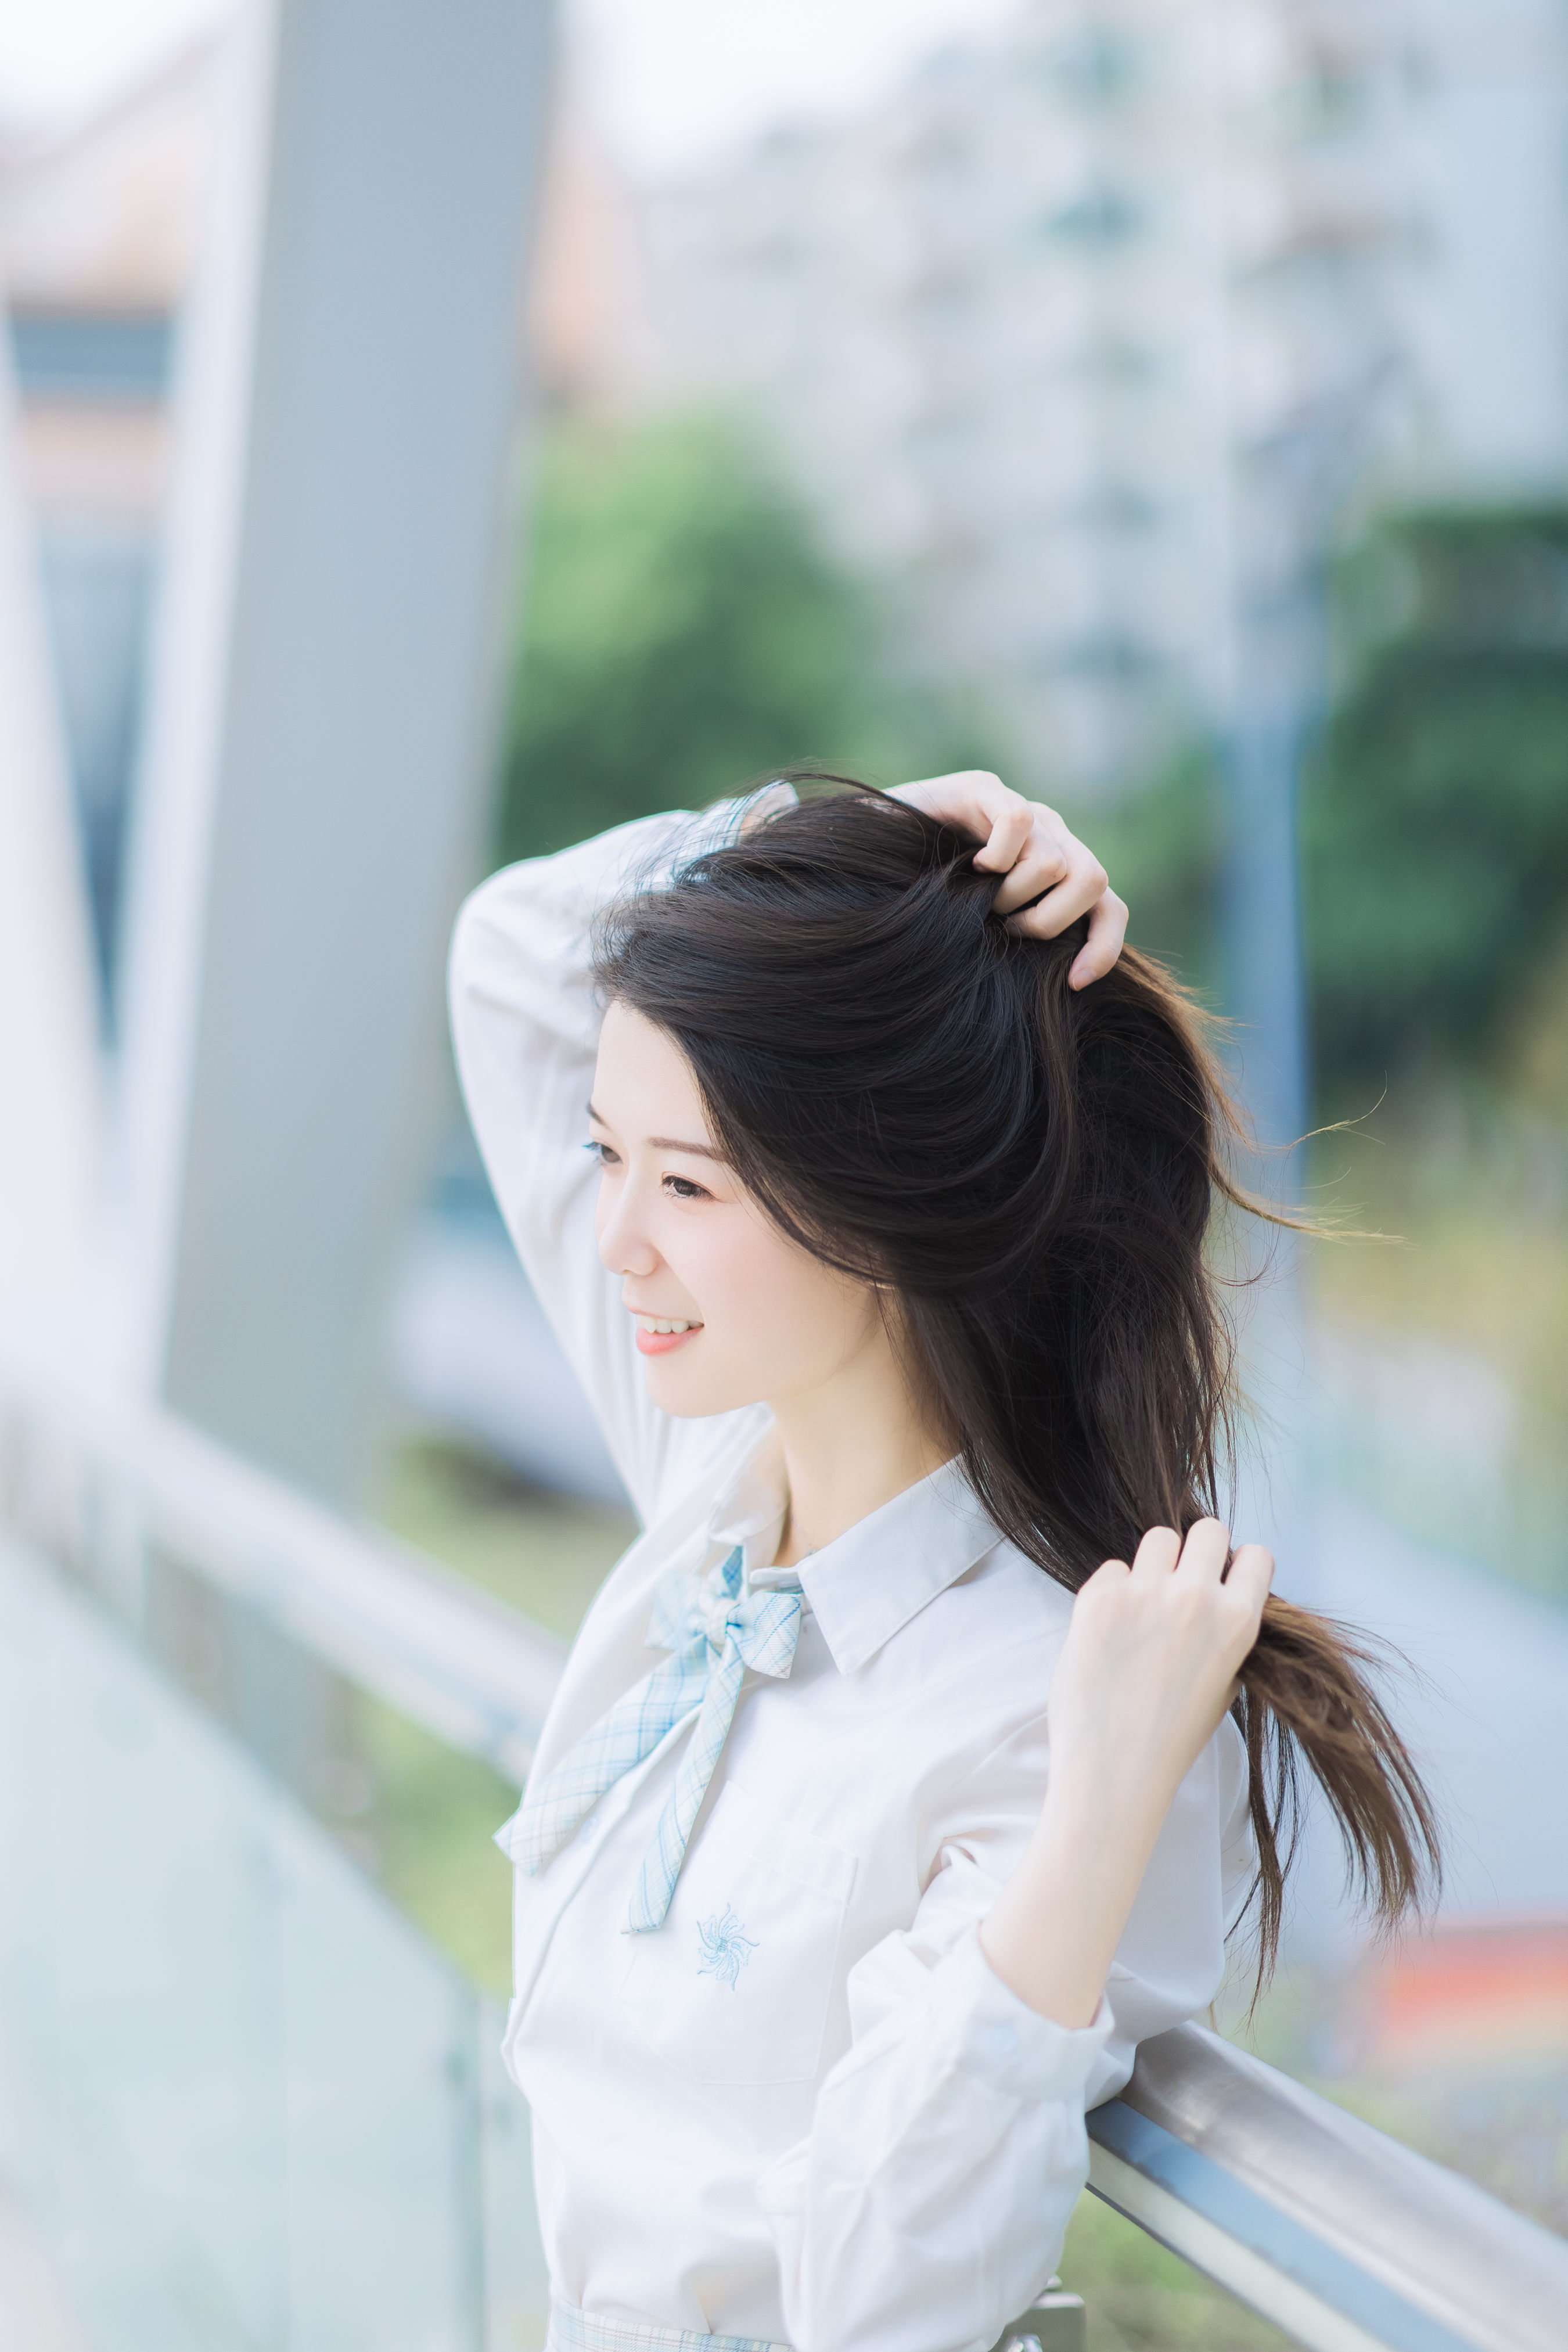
[1057,2323]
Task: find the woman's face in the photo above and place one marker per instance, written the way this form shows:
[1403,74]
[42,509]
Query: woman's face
[753,1318]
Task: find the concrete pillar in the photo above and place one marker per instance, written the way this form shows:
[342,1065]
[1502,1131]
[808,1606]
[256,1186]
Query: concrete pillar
[324,667]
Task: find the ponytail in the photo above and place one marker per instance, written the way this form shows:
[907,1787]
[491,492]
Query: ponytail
[1306,1696]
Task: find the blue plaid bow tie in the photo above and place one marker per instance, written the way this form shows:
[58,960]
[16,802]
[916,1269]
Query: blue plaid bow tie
[713,1631]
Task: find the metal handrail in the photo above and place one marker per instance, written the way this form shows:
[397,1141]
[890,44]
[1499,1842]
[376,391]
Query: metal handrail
[472,1671]
[1342,2237]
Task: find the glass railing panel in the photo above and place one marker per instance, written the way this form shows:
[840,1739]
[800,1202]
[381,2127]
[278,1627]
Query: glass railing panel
[246,2103]
[517,2291]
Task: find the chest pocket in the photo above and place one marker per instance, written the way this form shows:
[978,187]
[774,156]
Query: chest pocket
[735,1986]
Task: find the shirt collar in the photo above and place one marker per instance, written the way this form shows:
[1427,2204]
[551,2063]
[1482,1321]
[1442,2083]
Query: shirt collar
[865,1586]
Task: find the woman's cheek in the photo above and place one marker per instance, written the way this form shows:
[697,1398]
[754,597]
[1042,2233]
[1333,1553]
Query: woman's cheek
[714,1272]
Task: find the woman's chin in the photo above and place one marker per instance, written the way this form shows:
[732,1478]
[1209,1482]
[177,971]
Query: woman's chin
[682,1385]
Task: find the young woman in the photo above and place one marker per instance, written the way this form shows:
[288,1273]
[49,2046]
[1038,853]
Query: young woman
[867,1184]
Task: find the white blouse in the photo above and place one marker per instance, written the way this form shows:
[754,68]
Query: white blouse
[849,2133]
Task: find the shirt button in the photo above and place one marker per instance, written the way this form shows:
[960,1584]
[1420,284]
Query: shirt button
[590,1826]
[1003,2041]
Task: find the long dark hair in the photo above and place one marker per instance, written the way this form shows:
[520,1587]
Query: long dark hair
[916,1096]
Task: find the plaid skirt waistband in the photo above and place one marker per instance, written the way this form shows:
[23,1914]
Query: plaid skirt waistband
[572,2330]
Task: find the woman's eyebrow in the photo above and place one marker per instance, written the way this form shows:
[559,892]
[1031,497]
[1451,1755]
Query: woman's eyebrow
[664,1142]
[673,1143]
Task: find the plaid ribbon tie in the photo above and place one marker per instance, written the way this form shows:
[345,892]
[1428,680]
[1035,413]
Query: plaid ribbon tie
[713,1631]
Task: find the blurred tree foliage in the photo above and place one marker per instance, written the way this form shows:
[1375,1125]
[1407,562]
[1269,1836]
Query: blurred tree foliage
[683,632]
[1435,825]
[1162,842]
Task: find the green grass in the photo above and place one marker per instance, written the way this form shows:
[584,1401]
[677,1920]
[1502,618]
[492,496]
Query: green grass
[543,1553]
[1467,1171]
[1140,2298]
[428,1833]
[1472,1194]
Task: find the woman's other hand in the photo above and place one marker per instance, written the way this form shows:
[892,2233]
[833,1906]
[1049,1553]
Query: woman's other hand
[1149,1667]
[1146,1673]
[1051,879]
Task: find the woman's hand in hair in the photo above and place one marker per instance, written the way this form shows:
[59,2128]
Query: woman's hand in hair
[1149,1665]
[1051,879]
[1146,1673]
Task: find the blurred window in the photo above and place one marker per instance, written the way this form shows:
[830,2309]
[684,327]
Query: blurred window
[91,356]
[1118,506]
[1101,65]
[1330,94]
[775,249]
[1118,362]
[935,147]
[1099,220]
[1106,655]
[939,289]
[941,432]
[97,576]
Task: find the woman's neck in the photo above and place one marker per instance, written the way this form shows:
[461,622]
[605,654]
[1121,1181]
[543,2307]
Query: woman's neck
[846,1449]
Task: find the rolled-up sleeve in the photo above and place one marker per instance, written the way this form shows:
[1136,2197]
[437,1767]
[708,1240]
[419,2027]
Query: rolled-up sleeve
[948,2150]
[928,2205]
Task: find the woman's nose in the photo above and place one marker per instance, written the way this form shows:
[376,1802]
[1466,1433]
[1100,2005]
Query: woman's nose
[624,1247]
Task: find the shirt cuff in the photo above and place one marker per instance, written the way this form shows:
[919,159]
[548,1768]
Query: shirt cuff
[717,827]
[999,2039]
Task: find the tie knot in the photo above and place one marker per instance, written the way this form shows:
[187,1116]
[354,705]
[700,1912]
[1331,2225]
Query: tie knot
[704,1616]
[721,1608]
[764,1628]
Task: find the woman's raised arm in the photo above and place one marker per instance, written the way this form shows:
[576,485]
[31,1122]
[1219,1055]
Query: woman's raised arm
[525,1026]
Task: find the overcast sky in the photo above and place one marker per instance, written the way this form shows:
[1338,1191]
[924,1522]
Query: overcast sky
[672,82]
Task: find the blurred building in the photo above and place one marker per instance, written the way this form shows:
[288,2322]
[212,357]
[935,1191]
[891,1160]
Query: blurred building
[99,235]
[1031,327]
[1028,331]
[97,229]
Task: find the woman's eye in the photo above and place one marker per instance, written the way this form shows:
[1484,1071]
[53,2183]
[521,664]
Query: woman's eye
[603,1154]
[683,1188]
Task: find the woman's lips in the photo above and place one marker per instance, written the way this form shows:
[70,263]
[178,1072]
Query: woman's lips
[653,1342]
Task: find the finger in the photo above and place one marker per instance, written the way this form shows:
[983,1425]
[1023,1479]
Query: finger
[1251,1573]
[1108,1573]
[921,790]
[977,802]
[1205,1551]
[969,797]
[1157,1554]
[1010,827]
[1041,864]
[1077,895]
[1107,934]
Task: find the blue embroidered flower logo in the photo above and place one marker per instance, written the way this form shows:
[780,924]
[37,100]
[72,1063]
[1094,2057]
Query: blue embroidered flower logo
[725,1950]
